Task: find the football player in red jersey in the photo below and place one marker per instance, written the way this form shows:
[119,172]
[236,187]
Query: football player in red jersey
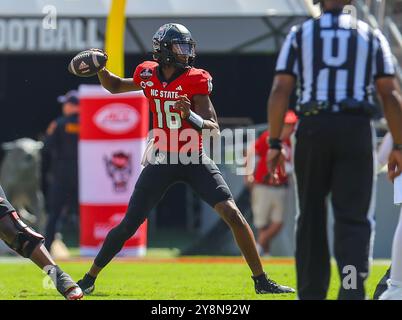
[178,95]
[29,244]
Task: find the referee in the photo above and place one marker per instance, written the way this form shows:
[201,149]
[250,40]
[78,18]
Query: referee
[337,61]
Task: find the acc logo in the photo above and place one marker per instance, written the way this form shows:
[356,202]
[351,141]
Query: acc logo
[146,74]
[144,84]
[116,118]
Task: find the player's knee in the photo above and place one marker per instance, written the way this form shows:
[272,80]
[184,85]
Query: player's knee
[19,237]
[25,243]
[124,230]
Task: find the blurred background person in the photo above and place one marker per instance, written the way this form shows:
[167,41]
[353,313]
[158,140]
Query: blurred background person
[60,169]
[390,286]
[269,191]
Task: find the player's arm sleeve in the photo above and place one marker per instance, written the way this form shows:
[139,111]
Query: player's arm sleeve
[383,60]
[287,60]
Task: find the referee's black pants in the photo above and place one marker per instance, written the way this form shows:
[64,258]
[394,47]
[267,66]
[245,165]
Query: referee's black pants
[334,157]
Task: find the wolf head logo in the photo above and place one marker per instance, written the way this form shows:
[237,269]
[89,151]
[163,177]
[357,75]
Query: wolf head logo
[119,169]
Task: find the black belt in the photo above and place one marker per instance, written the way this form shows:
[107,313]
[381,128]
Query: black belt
[347,106]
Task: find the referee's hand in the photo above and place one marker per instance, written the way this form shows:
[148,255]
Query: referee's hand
[394,164]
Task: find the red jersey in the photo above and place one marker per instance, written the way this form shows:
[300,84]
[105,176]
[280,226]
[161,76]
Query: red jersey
[261,150]
[162,96]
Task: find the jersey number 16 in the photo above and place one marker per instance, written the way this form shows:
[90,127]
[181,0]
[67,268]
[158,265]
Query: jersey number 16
[173,119]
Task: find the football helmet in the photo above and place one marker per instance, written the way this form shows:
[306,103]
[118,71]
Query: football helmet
[173,44]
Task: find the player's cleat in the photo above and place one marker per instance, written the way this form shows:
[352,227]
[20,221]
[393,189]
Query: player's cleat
[382,285]
[264,285]
[392,293]
[87,284]
[68,288]
[74,293]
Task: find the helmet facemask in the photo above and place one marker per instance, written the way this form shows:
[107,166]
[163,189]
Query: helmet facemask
[179,53]
[183,52]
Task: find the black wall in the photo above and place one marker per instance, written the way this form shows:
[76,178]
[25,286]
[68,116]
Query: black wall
[30,84]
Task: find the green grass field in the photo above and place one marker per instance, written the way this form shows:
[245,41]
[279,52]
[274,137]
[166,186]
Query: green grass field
[166,279]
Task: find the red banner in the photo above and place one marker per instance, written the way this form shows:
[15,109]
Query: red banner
[112,141]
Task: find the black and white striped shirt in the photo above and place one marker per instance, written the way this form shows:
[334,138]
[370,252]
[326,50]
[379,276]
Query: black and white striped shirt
[335,57]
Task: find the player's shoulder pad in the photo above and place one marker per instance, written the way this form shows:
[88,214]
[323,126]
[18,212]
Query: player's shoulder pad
[145,71]
[148,64]
[201,79]
[199,74]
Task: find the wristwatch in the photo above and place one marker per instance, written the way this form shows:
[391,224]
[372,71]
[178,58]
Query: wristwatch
[397,146]
[275,143]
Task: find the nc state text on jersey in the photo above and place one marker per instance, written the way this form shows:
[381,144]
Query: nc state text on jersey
[164,94]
